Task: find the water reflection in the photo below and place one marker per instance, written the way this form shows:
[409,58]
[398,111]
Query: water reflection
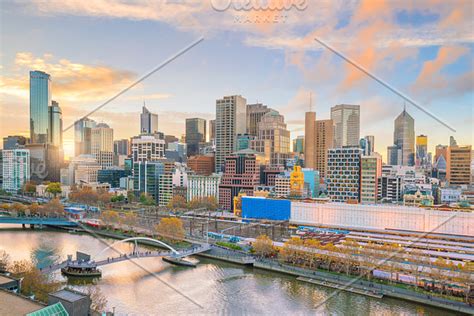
[222,288]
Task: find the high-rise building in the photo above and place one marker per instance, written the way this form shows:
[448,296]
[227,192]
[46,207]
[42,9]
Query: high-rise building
[255,112]
[298,144]
[343,174]
[282,186]
[394,155]
[112,176]
[102,145]
[231,119]
[55,130]
[458,169]
[241,175]
[404,138]
[40,100]
[82,136]
[15,169]
[200,186]
[370,174]
[346,120]
[324,140]
[441,150]
[243,141]
[45,162]
[148,122]
[147,148]
[212,130]
[367,144]
[272,127]
[122,147]
[195,134]
[310,140]
[146,177]
[12,142]
[422,150]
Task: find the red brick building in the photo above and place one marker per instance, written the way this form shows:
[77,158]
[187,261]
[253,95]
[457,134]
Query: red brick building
[201,165]
[241,174]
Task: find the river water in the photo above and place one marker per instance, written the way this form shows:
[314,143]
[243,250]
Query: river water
[213,288]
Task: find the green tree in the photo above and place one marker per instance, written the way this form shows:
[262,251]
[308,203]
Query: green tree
[54,188]
[131,197]
[146,199]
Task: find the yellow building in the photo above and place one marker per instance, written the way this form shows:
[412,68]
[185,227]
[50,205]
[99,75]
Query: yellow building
[296,182]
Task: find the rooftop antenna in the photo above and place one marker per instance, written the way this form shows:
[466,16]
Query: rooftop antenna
[404,106]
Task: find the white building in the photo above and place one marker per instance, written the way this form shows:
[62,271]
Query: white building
[15,169]
[180,175]
[346,120]
[102,145]
[85,169]
[282,186]
[382,216]
[147,148]
[203,186]
[449,195]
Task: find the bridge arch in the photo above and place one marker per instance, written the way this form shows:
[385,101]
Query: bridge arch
[136,238]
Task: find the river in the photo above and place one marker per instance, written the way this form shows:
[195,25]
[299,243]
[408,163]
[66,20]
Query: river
[214,287]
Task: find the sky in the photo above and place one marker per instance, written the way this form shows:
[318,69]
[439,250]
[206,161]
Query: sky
[94,49]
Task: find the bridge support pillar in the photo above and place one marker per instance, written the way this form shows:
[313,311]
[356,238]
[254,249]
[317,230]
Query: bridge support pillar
[32,226]
[23,226]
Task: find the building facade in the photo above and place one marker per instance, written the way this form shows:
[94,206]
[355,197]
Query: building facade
[458,169]
[14,141]
[310,140]
[195,134]
[202,164]
[343,174]
[346,120]
[255,112]
[370,174]
[200,186]
[147,148]
[55,130]
[241,175]
[231,119]
[40,100]
[102,145]
[15,169]
[122,147]
[404,138]
[324,140]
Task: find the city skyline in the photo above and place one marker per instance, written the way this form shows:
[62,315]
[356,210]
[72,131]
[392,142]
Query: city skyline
[432,73]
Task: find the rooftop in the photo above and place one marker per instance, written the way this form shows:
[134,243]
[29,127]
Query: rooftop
[68,295]
[14,304]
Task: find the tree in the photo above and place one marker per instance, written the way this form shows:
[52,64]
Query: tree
[54,188]
[99,300]
[146,199]
[6,207]
[130,196]
[104,197]
[109,218]
[170,228]
[263,246]
[117,198]
[130,219]
[177,202]
[85,195]
[34,282]
[208,202]
[53,207]
[29,188]
[19,208]
[34,208]
[4,261]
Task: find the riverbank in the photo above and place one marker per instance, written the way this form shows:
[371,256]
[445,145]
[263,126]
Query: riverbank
[320,278]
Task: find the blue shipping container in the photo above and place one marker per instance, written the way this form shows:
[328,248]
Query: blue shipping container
[263,208]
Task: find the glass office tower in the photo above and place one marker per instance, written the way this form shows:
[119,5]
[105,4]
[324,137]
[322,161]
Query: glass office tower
[55,125]
[40,99]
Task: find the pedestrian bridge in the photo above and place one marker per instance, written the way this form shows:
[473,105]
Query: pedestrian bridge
[38,221]
[124,257]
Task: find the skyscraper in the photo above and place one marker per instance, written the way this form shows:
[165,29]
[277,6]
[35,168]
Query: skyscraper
[370,174]
[310,139]
[324,141]
[82,136]
[122,147]
[422,150]
[102,144]
[272,127]
[255,112]
[368,145]
[55,125]
[212,130]
[404,138]
[346,120]
[195,134]
[40,99]
[148,122]
[231,119]
[147,148]
[298,144]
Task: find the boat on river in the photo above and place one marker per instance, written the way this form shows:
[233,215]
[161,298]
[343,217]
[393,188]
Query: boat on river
[81,272]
